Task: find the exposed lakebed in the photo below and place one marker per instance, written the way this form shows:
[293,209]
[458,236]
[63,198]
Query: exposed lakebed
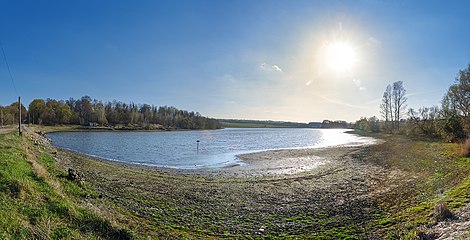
[216,148]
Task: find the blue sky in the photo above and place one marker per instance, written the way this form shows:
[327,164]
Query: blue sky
[234,59]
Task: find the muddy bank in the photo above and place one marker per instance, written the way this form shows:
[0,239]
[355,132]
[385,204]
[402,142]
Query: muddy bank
[258,200]
[385,190]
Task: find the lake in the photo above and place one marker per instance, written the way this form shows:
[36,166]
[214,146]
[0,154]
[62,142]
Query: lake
[179,149]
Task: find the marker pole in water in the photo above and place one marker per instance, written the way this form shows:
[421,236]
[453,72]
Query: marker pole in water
[197,142]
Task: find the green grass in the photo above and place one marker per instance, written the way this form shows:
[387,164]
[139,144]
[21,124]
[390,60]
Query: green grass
[31,208]
[437,173]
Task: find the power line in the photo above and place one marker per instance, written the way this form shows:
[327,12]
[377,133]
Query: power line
[8,68]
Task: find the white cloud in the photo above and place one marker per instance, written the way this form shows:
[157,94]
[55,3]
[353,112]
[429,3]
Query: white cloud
[270,68]
[276,68]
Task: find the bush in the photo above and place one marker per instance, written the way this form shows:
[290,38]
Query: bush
[441,211]
[466,148]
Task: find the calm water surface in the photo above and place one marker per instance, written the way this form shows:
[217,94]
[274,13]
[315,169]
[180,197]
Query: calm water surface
[178,149]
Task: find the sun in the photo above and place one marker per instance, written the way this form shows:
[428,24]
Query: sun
[340,56]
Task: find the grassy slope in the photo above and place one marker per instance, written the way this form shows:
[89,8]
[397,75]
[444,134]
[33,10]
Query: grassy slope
[433,172]
[38,202]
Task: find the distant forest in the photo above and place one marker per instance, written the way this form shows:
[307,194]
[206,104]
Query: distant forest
[91,112]
[243,123]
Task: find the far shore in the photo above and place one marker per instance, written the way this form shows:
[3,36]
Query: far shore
[79,128]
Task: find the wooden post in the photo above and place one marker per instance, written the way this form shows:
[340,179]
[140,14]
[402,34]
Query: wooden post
[197,145]
[19,116]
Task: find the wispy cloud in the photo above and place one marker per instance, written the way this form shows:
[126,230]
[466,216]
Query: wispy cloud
[341,103]
[374,101]
[373,43]
[263,65]
[271,68]
[358,84]
[420,93]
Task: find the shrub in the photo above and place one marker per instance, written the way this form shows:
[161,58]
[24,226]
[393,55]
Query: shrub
[441,211]
[466,148]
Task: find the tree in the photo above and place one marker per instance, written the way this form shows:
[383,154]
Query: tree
[85,110]
[14,114]
[398,102]
[1,116]
[56,112]
[36,109]
[386,106]
[373,124]
[455,111]
[424,119]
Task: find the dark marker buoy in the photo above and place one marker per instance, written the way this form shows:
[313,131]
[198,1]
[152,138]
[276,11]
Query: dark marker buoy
[197,144]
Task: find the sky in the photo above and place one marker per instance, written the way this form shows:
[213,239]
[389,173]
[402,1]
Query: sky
[234,59]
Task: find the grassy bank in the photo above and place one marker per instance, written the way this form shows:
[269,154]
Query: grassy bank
[387,190]
[39,202]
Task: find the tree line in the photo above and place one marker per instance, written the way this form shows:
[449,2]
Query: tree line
[450,121]
[91,112]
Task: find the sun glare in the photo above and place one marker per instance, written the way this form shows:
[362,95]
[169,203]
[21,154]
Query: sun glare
[340,56]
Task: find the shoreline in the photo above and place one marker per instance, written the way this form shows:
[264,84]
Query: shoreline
[248,199]
[257,163]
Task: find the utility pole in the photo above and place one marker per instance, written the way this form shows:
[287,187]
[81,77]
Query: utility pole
[19,116]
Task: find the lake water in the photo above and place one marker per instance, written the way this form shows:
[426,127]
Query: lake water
[178,149]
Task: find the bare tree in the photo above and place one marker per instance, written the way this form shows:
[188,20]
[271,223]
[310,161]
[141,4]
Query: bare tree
[398,100]
[386,106]
[424,119]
